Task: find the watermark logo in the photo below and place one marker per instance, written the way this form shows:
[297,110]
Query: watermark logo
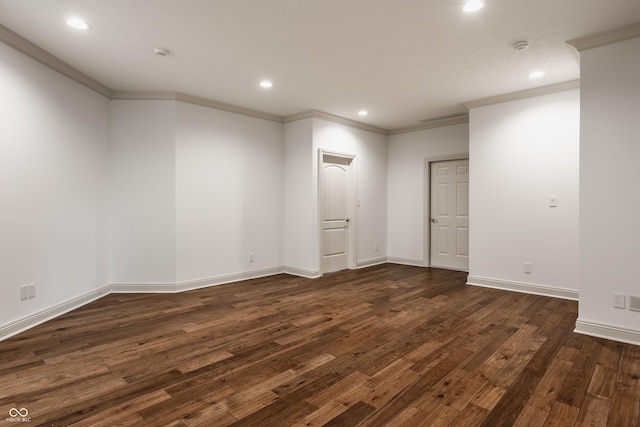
[18,415]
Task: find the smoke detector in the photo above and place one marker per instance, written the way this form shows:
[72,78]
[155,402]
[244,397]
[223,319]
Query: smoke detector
[521,45]
[160,51]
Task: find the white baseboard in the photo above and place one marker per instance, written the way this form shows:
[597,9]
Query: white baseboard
[406,261]
[143,288]
[172,288]
[447,268]
[227,278]
[607,331]
[371,262]
[42,316]
[302,272]
[528,288]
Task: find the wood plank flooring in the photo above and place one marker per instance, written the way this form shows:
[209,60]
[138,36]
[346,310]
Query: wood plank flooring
[384,346]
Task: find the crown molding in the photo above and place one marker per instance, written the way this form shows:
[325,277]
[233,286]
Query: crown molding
[143,96]
[300,116]
[204,102]
[606,37]
[33,51]
[196,100]
[335,119]
[431,124]
[523,94]
[16,41]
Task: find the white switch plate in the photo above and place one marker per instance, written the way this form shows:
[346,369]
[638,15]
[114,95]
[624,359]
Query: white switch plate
[553,201]
[527,267]
[24,292]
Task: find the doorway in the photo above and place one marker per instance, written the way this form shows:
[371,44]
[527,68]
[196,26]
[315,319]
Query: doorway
[449,214]
[336,191]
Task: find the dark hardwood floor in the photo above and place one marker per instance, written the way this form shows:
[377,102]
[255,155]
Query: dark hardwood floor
[387,345]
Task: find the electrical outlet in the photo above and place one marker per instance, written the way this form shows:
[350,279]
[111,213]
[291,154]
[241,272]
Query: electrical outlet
[375,247]
[251,257]
[618,300]
[527,267]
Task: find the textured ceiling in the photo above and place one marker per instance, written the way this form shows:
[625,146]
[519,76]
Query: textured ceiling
[404,60]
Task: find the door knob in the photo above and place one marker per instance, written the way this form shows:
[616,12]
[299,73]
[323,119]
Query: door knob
[433,220]
[348,220]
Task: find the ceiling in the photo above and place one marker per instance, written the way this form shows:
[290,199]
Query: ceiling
[405,61]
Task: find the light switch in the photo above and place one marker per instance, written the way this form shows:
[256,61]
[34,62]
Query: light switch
[553,201]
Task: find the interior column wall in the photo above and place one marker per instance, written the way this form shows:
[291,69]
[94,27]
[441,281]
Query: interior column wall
[521,154]
[609,195]
[142,171]
[298,216]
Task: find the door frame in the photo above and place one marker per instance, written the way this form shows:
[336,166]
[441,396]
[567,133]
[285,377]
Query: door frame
[426,220]
[351,208]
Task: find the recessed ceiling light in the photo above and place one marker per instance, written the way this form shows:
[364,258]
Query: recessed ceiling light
[266,84]
[536,74]
[363,113]
[473,5]
[78,23]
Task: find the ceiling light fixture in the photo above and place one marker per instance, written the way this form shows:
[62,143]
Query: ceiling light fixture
[363,113]
[78,23]
[266,84]
[536,74]
[473,5]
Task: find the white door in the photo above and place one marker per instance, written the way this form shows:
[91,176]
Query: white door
[335,200]
[450,214]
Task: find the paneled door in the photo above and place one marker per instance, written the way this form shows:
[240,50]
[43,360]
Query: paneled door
[335,200]
[449,214]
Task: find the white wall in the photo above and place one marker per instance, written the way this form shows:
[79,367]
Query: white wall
[610,188]
[370,150]
[521,153]
[406,154]
[229,193]
[299,229]
[142,167]
[53,168]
